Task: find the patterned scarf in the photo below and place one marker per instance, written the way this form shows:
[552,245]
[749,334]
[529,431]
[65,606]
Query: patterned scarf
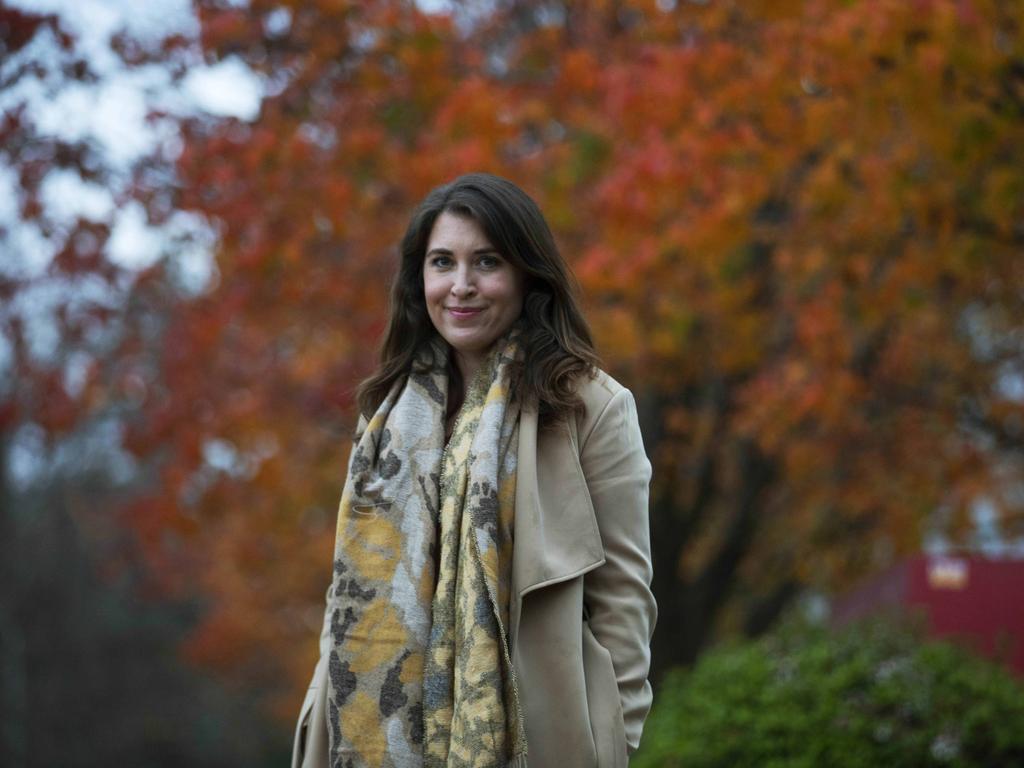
[419,673]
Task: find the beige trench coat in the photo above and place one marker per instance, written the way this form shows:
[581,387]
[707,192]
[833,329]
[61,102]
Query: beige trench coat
[582,611]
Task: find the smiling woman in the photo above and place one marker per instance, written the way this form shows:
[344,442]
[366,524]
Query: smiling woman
[490,604]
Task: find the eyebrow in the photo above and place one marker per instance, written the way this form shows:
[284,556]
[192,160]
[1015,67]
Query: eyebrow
[476,252]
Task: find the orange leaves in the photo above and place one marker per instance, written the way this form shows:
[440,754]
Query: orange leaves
[471,109]
[580,74]
[1002,200]
[780,214]
[224,28]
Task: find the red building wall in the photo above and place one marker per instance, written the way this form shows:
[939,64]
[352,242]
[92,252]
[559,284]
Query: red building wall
[976,600]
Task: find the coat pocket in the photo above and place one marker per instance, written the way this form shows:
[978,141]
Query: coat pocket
[603,703]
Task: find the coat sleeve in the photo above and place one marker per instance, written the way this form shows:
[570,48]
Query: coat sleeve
[617,596]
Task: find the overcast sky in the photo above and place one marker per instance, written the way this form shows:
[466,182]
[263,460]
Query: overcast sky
[111,114]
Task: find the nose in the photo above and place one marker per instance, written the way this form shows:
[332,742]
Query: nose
[463,283]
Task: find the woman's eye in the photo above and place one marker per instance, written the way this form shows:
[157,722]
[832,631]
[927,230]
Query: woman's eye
[439,262]
[489,262]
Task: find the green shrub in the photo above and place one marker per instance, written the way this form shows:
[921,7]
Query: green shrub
[872,695]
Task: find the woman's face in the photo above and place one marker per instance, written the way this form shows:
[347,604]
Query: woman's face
[473,294]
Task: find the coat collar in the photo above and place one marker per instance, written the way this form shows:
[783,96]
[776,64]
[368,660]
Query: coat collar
[555,531]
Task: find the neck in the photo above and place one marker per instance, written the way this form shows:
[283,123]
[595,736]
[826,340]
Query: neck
[468,366]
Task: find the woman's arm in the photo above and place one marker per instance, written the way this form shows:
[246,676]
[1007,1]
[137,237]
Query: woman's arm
[621,608]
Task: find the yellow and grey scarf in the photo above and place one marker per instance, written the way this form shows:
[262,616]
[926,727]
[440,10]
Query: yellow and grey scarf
[419,673]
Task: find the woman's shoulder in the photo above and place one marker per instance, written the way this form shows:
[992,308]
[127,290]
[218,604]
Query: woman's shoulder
[597,388]
[597,392]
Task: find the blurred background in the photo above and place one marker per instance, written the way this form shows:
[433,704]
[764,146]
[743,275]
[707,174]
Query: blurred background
[798,228]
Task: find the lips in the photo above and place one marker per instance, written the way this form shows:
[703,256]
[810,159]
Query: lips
[464,312]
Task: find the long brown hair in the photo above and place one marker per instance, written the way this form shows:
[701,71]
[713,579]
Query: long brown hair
[556,339]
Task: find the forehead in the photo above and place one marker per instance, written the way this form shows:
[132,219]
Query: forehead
[454,232]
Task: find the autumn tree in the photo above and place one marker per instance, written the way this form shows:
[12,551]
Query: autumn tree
[52,313]
[795,225]
[91,672]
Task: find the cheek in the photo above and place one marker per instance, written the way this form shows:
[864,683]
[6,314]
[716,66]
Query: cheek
[507,288]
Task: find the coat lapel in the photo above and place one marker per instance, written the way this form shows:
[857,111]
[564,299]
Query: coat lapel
[555,530]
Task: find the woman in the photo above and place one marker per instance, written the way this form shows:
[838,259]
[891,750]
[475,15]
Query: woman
[490,603]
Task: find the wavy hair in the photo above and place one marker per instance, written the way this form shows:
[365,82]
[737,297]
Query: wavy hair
[556,339]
